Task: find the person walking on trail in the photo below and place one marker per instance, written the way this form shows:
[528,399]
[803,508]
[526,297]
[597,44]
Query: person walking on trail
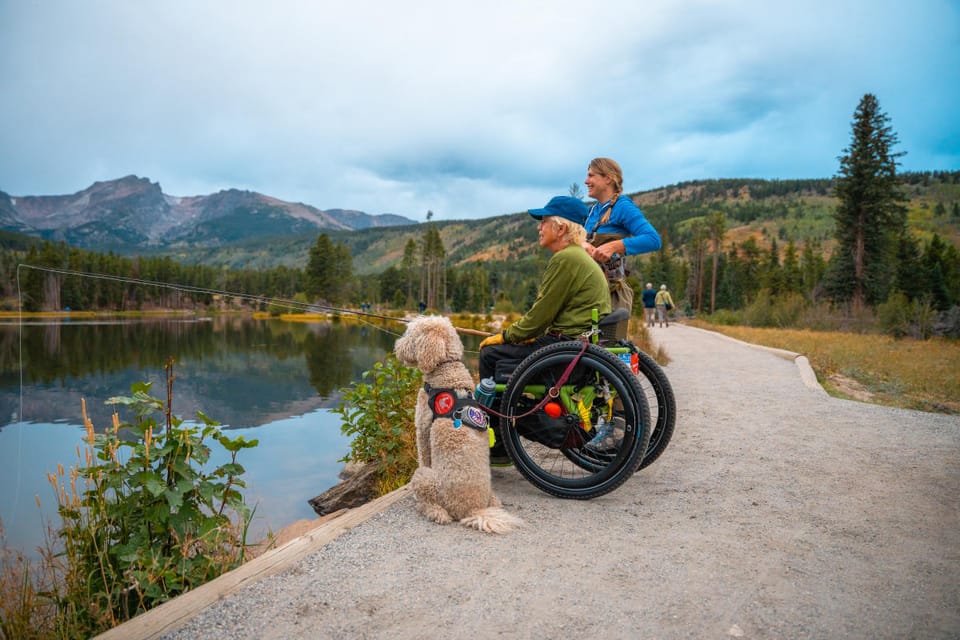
[571,287]
[664,304]
[649,304]
[616,228]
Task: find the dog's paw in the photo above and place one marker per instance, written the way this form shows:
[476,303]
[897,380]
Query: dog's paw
[436,513]
[492,520]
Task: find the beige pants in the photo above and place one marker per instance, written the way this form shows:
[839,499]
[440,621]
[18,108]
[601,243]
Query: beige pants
[662,314]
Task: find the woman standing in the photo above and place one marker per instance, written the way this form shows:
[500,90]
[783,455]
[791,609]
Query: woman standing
[616,228]
[664,304]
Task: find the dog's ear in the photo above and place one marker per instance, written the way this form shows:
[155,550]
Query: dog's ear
[405,347]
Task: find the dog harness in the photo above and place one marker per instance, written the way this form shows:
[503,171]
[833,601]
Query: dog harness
[444,403]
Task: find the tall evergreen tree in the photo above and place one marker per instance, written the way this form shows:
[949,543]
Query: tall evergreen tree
[870,215]
[791,278]
[717,222]
[409,266]
[329,270]
[698,248]
[432,288]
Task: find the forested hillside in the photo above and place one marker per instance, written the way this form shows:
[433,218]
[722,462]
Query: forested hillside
[767,240]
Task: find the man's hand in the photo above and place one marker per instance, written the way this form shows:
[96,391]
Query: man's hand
[489,341]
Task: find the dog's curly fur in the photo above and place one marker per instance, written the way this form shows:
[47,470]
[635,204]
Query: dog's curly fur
[452,480]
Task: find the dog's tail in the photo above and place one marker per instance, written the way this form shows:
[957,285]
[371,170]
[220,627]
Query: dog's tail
[492,520]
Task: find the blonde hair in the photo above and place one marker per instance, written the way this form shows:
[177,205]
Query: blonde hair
[575,233]
[609,168]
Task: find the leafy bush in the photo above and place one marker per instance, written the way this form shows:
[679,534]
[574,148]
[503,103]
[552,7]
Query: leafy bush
[378,413]
[899,317]
[725,317]
[759,313]
[141,521]
[893,316]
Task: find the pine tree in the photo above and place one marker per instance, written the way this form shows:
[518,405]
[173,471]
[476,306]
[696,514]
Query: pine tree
[432,287]
[870,215]
[717,222]
[328,270]
[698,248]
[409,266]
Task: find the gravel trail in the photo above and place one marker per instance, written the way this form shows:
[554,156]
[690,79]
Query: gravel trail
[776,512]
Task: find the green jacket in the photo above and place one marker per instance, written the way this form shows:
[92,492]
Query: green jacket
[572,286]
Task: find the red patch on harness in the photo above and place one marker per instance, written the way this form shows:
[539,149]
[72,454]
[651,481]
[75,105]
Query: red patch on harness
[443,403]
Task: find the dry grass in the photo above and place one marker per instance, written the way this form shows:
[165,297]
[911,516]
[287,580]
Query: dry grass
[907,373]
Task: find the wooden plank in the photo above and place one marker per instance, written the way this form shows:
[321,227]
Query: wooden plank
[174,613]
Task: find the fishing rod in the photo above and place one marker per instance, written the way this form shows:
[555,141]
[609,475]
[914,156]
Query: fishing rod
[464,330]
[292,304]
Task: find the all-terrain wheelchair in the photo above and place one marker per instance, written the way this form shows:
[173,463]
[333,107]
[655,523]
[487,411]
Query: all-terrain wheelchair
[579,417]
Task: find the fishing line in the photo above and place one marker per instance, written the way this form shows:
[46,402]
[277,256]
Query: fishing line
[290,304]
[362,317]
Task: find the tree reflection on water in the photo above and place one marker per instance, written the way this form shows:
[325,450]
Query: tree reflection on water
[237,370]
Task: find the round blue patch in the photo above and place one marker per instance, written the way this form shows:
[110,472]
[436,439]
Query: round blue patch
[476,416]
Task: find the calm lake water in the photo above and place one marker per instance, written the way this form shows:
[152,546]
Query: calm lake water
[265,379]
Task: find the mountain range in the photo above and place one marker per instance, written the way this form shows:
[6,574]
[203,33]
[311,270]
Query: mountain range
[237,229]
[133,215]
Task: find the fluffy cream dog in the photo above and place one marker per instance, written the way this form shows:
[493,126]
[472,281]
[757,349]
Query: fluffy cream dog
[452,480]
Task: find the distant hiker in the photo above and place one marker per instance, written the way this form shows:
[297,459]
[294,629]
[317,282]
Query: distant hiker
[664,304]
[649,304]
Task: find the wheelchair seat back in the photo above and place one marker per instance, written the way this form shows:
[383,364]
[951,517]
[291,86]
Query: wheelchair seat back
[613,327]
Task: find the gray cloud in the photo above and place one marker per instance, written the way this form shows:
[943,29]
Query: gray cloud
[464,109]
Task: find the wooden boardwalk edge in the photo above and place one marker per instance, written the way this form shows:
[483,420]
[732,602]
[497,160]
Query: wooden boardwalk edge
[174,613]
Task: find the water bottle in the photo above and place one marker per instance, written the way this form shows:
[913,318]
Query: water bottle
[485,392]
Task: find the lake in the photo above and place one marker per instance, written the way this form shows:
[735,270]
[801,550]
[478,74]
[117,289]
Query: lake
[269,380]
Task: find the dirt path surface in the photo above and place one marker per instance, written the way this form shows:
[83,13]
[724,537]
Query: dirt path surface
[776,512]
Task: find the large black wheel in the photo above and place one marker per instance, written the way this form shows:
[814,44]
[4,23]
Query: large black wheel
[663,407]
[553,447]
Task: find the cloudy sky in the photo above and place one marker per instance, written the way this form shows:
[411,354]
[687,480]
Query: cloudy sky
[466,109]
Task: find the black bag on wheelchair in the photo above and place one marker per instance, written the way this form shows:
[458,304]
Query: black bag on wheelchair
[554,433]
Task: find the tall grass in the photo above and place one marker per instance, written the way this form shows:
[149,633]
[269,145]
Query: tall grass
[907,373]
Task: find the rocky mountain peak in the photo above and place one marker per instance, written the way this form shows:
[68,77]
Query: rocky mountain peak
[132,213]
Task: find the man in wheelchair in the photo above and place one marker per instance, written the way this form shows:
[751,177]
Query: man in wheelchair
[572,286]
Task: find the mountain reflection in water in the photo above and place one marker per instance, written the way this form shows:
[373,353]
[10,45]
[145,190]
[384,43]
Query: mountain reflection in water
[264,379]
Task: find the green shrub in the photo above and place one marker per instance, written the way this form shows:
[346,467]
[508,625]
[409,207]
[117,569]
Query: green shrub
[378,413]
[141,521]
[788,308]
[923,318]
[727,317]
[759,313]
[893,316]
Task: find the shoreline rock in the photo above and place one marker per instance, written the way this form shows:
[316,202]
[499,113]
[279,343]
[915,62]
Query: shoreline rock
[358,487]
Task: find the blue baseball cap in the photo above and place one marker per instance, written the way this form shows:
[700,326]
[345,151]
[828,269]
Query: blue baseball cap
[566,207]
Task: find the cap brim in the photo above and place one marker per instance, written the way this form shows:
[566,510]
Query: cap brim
[538,214]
